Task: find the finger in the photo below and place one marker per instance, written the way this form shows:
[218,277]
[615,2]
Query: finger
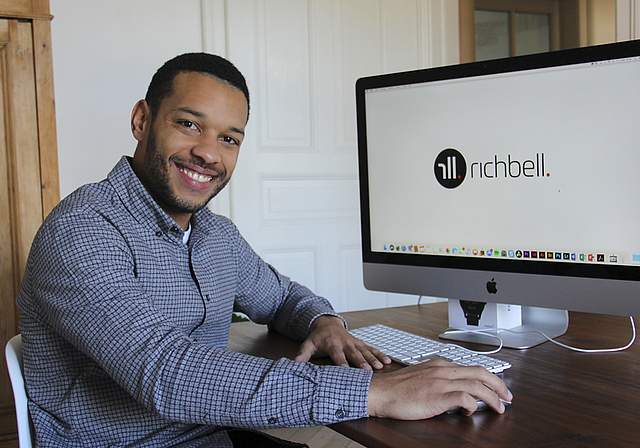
[476,373]
[371,358]
[494,384]
[477,390]
[339,358]
[492,399]
[460,402]
[379,355]
[357,358]
[307,350]
[475,381]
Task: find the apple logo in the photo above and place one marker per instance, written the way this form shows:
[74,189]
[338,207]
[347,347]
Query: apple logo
[492,286]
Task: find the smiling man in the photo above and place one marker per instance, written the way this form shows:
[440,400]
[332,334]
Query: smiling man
[189,147]
[131,283]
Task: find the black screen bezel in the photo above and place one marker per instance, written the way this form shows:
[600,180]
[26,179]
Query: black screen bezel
[629,49]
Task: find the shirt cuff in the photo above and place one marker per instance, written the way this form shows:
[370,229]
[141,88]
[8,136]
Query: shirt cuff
[332,314]
[342,394]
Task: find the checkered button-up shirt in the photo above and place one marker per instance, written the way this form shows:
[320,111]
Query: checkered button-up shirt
[125,329]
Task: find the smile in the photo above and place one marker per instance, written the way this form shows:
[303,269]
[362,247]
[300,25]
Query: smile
[195,176]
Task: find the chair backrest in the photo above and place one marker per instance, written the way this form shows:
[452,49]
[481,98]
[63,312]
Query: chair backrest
[13,354]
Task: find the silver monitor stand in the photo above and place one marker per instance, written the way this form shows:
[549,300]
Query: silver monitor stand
[551,322]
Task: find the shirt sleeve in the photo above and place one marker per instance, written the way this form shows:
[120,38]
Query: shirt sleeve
[82,285]
[268,297]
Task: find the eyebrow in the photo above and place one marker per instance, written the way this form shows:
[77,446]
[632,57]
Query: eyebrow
[199,114]
[195,113]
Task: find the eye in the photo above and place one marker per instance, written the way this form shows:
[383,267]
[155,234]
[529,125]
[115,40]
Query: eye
[230,140]
[187,124]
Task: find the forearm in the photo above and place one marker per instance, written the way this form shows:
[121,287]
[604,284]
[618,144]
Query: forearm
[301,312]
[269,297]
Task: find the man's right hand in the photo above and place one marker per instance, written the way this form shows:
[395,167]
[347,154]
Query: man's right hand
[432,388]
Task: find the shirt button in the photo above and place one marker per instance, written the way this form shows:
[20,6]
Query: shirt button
[174,229]
[159,233]
[273,421]
[342,413]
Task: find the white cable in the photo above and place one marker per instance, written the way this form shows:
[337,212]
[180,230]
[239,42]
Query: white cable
[601,350]
[581,350]
[483,332]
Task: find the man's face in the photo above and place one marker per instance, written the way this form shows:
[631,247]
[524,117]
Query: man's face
[188,150]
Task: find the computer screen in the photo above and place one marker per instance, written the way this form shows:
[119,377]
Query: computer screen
[513,181]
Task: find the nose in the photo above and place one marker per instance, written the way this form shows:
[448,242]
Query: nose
[208,150]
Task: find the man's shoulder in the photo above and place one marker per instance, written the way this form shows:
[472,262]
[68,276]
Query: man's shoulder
[83,221]
[89,199]
[109,198]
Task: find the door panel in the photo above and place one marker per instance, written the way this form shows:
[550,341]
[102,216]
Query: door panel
[294,195]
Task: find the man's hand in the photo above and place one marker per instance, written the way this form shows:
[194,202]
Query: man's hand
[328,336]
[432,388]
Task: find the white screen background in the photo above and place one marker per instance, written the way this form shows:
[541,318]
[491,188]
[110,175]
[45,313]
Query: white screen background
[585,119]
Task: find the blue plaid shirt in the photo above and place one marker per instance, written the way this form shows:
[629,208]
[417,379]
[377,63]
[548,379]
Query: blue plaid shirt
[125,329]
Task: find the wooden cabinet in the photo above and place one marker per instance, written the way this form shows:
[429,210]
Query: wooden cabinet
[29,185]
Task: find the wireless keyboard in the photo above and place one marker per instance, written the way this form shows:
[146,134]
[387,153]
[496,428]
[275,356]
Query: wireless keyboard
[409,349]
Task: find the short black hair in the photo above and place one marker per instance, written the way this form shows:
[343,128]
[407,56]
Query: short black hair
[161,85]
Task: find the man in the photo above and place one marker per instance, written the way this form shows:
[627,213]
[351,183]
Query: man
[129,289]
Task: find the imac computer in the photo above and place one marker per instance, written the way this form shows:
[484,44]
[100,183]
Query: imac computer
[510,187]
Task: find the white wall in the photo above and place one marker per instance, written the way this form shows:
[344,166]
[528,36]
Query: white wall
[104,54]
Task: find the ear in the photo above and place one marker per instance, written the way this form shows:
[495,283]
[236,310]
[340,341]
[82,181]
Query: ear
[140,120]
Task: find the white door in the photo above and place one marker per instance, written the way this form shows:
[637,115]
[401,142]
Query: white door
[294,194]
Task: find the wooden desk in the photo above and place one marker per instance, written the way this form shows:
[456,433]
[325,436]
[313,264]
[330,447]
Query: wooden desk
[562,398]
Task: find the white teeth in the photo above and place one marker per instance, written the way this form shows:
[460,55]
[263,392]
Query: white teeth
[195,176]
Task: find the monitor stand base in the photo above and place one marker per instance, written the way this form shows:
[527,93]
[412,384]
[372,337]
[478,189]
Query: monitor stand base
[551,322]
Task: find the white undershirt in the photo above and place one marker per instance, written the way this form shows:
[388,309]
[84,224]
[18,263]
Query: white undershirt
[187,234]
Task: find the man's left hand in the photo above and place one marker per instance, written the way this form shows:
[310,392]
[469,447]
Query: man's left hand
[329,336]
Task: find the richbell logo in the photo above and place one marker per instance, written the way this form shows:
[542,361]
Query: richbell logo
[450,168]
